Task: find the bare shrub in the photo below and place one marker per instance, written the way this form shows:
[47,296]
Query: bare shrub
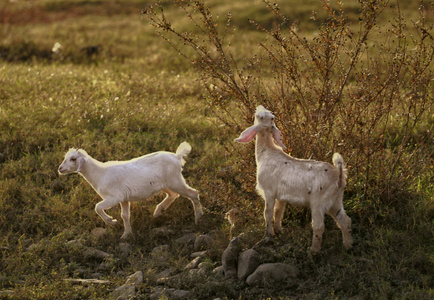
[362,88]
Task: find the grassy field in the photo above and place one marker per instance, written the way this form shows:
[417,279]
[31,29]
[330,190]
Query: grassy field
[118,90]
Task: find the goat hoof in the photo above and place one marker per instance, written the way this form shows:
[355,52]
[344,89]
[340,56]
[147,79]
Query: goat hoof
[112,222]
[315,250]
[197,216]
[277,231]
[348,246]
[125,235]
[157,213]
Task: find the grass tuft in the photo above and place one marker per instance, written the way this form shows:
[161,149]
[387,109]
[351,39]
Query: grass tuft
[118,90]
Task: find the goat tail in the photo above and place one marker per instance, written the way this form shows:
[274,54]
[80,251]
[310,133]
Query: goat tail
[339,163]
[183,150]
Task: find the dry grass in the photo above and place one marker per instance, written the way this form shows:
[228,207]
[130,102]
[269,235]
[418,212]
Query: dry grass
[138,95]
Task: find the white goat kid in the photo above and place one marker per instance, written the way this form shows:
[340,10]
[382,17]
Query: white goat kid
[133,180]
[282,178]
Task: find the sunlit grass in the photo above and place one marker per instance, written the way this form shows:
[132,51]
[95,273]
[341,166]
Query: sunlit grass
[137,95]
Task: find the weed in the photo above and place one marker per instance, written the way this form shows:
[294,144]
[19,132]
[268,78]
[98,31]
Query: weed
[136,96]
[339,90]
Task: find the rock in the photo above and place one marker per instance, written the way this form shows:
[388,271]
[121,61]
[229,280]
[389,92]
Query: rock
[96,275]
[186,239]
[125,249]
[160,293]
[160,253]
[162,276]
[87,281]
[95,253]
[160,249]
[248,261]
[201,269]
[98,232]
[193,272]
[193,264]
[80,272]
[206,266]
[230,258]
[218,271]
[128,290]
[163,293]
[103,267]
[124,292]
[266,242]
[199,254]
[75,243]
[135,279]
[271,271]
[167,280]
[162,232]
[181,294]
[202,242]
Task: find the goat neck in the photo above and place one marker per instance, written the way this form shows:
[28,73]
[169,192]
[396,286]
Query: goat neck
[92,171]
[265,145]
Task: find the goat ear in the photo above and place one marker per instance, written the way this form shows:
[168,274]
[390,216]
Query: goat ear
[277,135]
[247,135]
[80,163]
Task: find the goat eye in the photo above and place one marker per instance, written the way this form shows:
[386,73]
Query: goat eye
[262,118]
[73,159]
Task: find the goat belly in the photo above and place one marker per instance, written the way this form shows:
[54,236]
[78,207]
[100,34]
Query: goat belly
[131,184]
[295,193]
[143,191]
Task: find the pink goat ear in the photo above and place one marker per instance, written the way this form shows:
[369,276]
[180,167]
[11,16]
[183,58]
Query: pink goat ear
[277,135]
[247,135]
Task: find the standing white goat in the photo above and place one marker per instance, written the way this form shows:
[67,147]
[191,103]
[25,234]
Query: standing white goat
[282,178]
[133,180]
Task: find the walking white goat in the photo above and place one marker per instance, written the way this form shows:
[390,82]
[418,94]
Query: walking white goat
[133,180]
[282,178]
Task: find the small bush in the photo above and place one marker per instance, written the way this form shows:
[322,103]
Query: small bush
[363,90]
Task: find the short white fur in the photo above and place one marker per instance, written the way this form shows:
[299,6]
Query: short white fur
[283,179]
[122,182]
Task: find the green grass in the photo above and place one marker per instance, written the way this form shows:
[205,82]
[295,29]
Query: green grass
[137,95]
